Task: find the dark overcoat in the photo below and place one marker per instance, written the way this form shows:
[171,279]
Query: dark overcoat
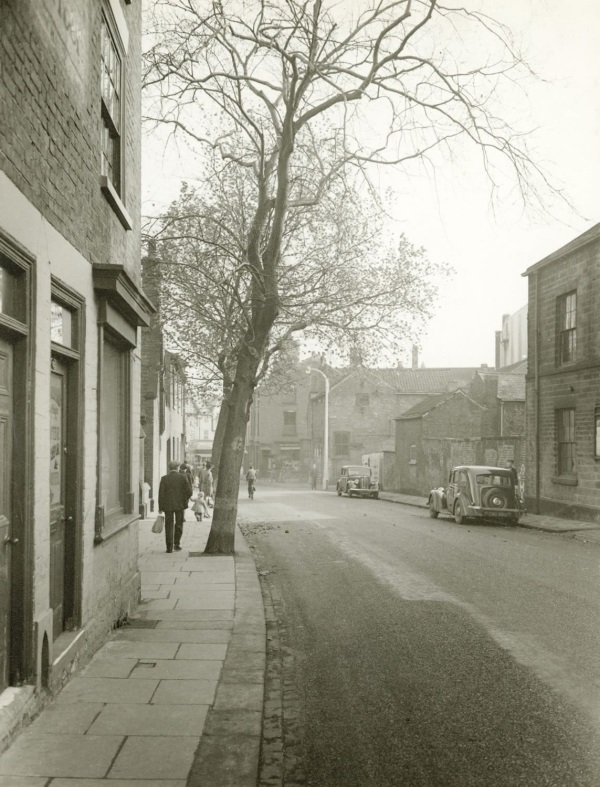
[174,492]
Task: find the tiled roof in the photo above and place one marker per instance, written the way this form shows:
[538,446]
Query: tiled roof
[431,402]
[430,381]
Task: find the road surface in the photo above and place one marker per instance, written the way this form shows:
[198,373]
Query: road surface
[410,651]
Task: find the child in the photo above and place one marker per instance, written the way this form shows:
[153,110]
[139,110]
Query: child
[200,507]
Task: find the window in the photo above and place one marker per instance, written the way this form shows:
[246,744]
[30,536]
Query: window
[341,441]
[565,429]
[114,38]
[567,328]
[111,72]
[412,455]
[114,428]
[289,422]
[597,432]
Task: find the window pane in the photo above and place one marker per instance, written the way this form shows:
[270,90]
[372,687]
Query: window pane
[60,325]
[56,439]
[112,426]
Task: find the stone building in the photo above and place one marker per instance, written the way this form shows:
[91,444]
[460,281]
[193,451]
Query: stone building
[563,381]
[163,393]
[363,406]
[200,425]
[71,309]
[482,424]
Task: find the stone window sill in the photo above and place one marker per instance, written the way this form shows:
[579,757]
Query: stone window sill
[114,201]
[565,480]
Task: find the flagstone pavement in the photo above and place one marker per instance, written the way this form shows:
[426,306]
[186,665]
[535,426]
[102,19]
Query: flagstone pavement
[173,699]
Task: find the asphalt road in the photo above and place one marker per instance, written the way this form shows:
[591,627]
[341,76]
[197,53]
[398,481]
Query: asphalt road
[412,651]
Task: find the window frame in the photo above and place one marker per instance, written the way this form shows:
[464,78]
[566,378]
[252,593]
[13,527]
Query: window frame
[337,442]
[597,431]
[113,22]
[566,328]
[561,442]
[291,426]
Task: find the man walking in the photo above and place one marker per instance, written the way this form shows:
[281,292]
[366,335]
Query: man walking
[174,493]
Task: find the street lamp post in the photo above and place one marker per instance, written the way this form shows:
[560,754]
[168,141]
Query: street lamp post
[325,427]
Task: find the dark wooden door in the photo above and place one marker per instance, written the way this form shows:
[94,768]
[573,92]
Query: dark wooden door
[6,540]
[58,492]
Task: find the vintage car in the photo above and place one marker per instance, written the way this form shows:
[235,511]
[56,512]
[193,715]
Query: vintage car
[356,480]
[478,491]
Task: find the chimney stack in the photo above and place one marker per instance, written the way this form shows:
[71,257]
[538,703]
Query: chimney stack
[415,357]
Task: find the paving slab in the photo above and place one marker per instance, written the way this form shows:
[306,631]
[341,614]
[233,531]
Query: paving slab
[242,696]
[175,670]
[151,757]
[149,594]
[205,601]
[200,636]
[24,781]
[187,614]
[43,754]
[67,718]
[105,666]
[185,692]
[226,761]
[111,783]
[161,720]
[196,625]
[238,722]
[195,651]
[160,577]
[108,690]
[157,603]
[141,650]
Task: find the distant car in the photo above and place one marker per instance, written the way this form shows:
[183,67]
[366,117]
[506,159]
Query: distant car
[356,480]
[480,492]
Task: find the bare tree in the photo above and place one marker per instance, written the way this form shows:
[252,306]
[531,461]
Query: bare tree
[299,100]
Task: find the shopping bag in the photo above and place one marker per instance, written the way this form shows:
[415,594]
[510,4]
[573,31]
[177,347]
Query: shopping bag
[159,523]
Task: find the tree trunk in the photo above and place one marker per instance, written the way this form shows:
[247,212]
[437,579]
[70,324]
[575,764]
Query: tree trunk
[221,539]
[217,446]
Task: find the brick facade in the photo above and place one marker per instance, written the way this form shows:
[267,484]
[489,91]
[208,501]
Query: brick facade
[74,256]
[555,384]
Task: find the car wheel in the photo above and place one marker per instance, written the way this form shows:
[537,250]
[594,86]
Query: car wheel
[459,513]
[494,497]
[433,513]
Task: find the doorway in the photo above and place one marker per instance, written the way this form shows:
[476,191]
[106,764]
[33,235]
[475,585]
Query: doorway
[7,541]
[62,473]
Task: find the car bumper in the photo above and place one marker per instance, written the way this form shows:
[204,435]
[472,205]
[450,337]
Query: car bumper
[495,512]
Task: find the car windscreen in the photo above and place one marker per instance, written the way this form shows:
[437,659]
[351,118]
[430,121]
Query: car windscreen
[492,479]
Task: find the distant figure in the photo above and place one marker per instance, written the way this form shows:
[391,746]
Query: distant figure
[314,473]
[174,494]
[200,508]
[185,468]
[251,478]
[515,478]
[510,465]
[206,480]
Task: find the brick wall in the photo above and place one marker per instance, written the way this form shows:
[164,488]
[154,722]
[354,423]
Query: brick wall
[50,122]
[576,385]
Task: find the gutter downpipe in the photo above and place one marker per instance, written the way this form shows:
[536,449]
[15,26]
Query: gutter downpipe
[537,392]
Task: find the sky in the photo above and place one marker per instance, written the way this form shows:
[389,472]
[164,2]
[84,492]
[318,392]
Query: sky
[449,211]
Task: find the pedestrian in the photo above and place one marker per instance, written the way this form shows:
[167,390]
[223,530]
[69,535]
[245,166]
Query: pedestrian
[187,470]
[515,479]
[313,476]
[251,478]
[206,481]
[200,508]
[174,494]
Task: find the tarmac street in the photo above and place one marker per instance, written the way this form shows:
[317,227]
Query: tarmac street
[355,643]
[410,651]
